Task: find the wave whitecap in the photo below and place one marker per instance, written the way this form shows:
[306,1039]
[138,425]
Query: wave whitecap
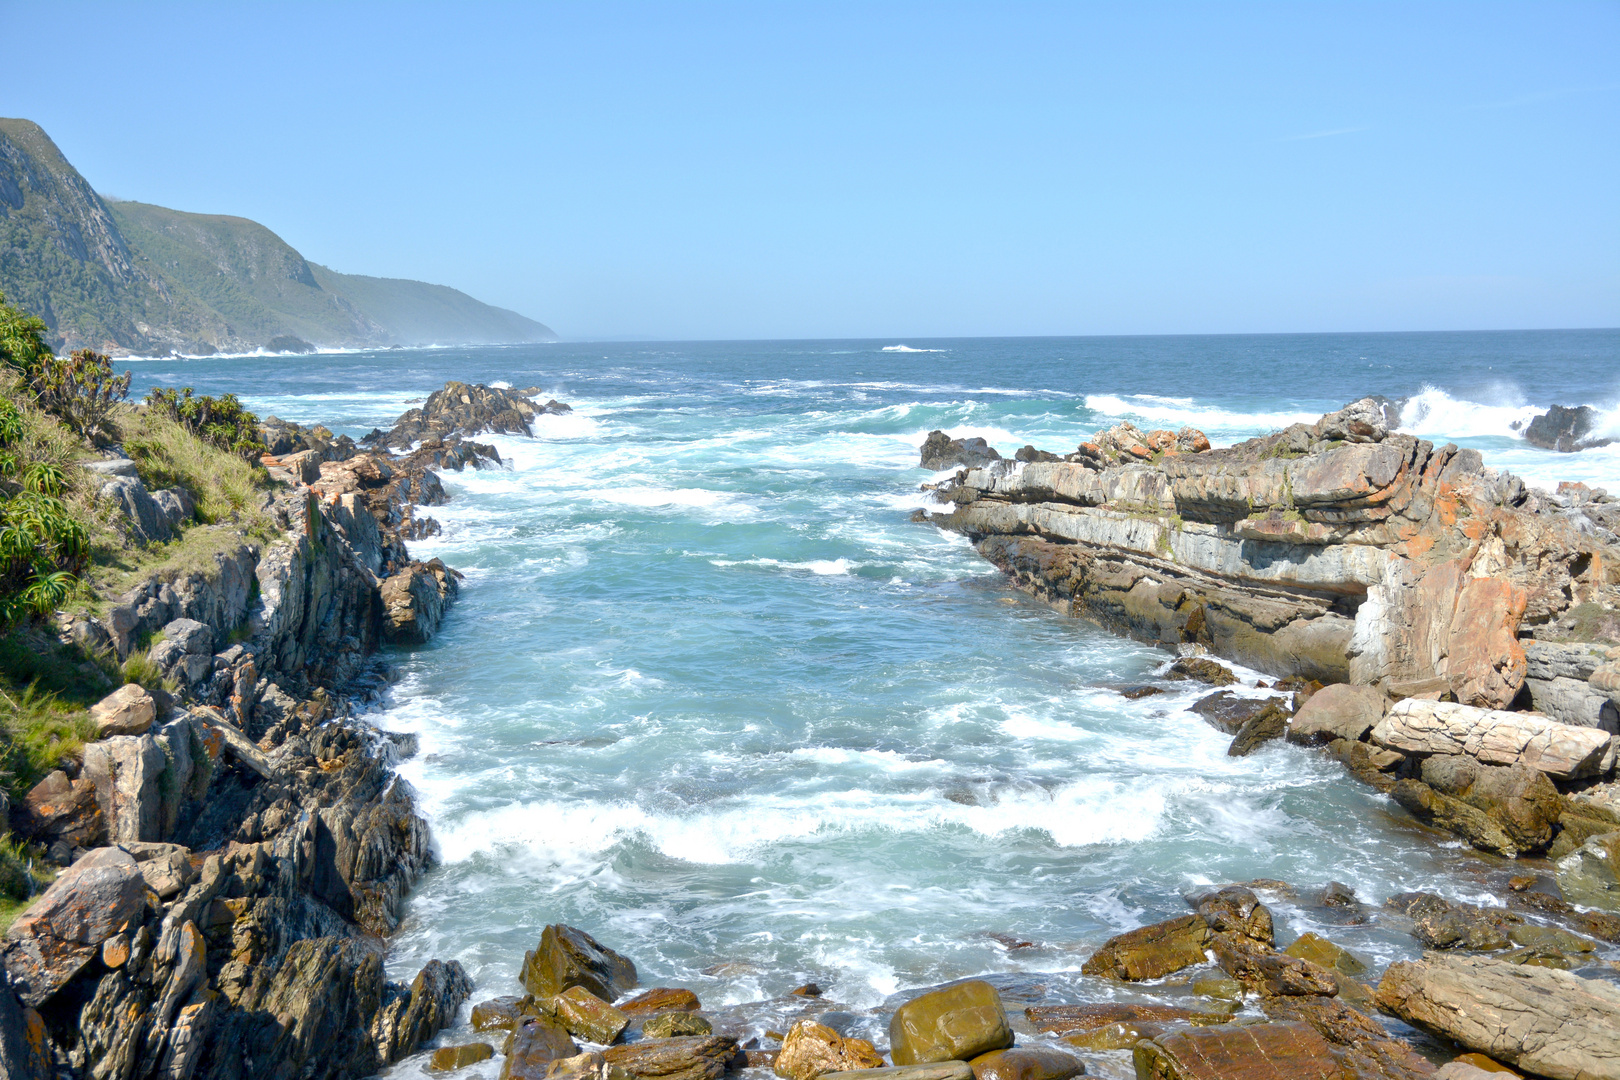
[907,348]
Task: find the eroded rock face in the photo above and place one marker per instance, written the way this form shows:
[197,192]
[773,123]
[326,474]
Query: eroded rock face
[1342,551]
[588,1017]
[129,710]
[1564,429]
[940,452]
[957,1023]
[659,999]
[1496,737]
[534,1044]
[414,601]
[469,409]
[1537,1019]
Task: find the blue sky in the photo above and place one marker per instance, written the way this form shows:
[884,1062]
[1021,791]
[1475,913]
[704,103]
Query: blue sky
[883,170]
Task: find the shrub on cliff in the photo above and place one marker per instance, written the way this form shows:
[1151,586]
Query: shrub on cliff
[43,546]
[220,421]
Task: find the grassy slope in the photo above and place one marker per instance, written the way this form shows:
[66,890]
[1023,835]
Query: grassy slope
[417,313]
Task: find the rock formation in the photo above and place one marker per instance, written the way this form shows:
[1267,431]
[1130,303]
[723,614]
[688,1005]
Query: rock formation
[1564,429]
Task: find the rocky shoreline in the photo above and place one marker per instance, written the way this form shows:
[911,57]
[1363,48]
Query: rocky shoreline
[236,846]
[1450,635]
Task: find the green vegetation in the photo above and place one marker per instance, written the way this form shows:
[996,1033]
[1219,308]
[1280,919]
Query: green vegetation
[37,732]
[222,423]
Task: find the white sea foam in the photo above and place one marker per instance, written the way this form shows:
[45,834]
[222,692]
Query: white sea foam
[822,567]
[1186,412]
[907,348]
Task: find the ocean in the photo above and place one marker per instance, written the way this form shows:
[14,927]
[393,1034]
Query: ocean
[711,695]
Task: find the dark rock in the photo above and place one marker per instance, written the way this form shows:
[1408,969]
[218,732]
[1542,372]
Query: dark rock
[59,809]
[1268,972]
[533,1045]
[1518,798]
[431,1005]
[503,1013]
[469,409]
[1340,711]
[1564,429]
[1029,453]
[588,1017]
[1337,895]
[1137,691]
[568,957]
[1266,725]
[288,343]
[1440,924]
[450,1058]
[24,1045]
[1364,1046]
[415,600]
[1203,670]
[940,452]
[1455,816]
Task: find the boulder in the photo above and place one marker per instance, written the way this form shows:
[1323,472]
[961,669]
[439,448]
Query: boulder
[941,452]
[59,809]
[1151,952]
[1440,924]
[534,1044]
[672,1024]
[1340,711]
[1262,969]
[1541,1020]
[1227,711]
[62,931]
[190,636]
[415,600]
[700,1058]
[958,1022]
[1027,1063]
[1564,429]
[1495,737]
[1519,799]
[588,1017]
[1590,875]
[502,1013]
[129,710]
[1369,419]
[1486,665]
[1268,724]
[810,1049]
[1201,669]
[659,999]
[176,506]
[411,1019]
[1252,1052]
[24,1044]
[148,523]
[568,957]
[1324,953]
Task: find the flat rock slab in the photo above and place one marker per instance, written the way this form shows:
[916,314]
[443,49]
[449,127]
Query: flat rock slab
[1060,1019]
[944,1070]
[1496,737]
[699,1058]
[1249,1052]
[1540,1020]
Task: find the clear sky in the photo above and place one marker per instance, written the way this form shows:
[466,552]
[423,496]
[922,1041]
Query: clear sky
[879,169]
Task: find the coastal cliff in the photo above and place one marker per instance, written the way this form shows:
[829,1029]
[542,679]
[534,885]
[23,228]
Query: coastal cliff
[236,846]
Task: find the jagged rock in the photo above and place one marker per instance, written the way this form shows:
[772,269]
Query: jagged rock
[940,452]
[1151,952]
[1544,1021]
[59,809]
[62,931]
[1361,1043]
[1027,1063]
[431,1005]
[24,1044]
[1370,419]
[1368,763]
[811,1049]
[568,957]
[588,1017]
[674,1024]
[148,522]
[659,999]
[1564,429]
[1234,909]
[700,1058]
[532,1047]
[1499,738]
[1251,1052]
[1521,800]
[129,710]
[1269,724]
[469,409]
[1440,924]
[1590,875]
[1268,972]
[1324,953]
[502,1012]
[414,601]
[956,1023]
[1340,711]
[1029,453]
[1226,711]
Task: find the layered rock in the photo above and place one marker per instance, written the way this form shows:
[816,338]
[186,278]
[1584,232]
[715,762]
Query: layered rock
[1339,551]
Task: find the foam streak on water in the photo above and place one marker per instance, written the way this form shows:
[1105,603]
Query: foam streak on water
[712,696]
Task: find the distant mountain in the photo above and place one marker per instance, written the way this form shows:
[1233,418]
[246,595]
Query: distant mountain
[128,277]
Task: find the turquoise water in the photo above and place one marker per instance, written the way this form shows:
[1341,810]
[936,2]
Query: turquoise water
[710,694]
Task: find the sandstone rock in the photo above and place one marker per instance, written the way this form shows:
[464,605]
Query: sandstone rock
[1266,971]
[1369,419]
[945,1070]
[1498,738]
[129,710]
[958,1023]
[1590,875]
[449,1058]
[1152,951]
[700,1058]
[469,409]
[1027,1063]
[1440,924]
[1234,909]
[1060,1019]
[568,957]
[62,931]
[1455,816]
[659,999]
[1519,799]
[672,1024]
[1486,664]
[810,1049]
[940,452]
[1340,711]
[587,1016]
[1541,1020]
[1324,953]
[1575,702]
[1269,1051]
[501,1013]
[533,1045]
[415,600]
[1361,1043]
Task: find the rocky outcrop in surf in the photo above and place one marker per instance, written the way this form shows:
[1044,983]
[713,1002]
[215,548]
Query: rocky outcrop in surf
[1565,429]
[1470,620]
[465,409]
